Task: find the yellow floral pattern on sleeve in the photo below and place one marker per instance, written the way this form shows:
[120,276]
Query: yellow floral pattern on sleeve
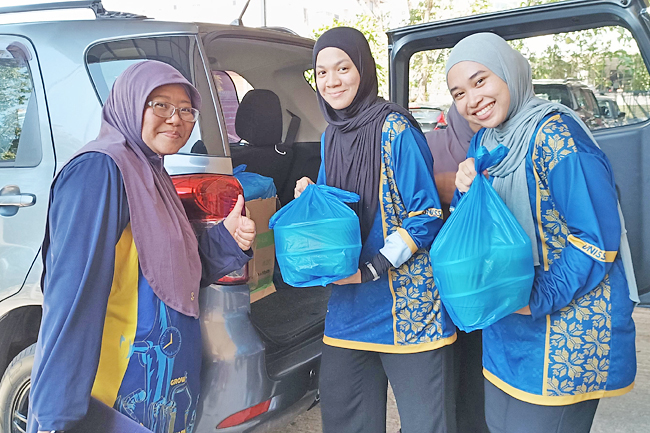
[416,302]
[580,343]
[577,352]
[552,144]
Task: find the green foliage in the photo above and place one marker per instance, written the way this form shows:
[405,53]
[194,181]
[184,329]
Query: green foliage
[588,55]
[15,90]
[427,67]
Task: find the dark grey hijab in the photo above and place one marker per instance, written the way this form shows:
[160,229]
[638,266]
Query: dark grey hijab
[166,244]
[353,136]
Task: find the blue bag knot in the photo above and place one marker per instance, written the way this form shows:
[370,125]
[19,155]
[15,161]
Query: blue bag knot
[485,159]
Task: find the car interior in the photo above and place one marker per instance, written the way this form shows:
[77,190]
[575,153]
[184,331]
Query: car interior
[278,125]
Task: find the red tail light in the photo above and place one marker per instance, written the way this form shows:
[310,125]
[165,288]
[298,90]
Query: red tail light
[245,415]
[208,199]
[441,120]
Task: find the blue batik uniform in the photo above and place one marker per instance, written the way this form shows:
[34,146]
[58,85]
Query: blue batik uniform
[401,312]
[579,342]
[104,331]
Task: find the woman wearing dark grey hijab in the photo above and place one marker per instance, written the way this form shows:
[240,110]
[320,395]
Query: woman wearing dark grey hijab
[122,266]
[386,322]
[547,365]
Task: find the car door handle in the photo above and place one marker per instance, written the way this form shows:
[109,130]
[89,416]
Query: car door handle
[20,200]
[11,199]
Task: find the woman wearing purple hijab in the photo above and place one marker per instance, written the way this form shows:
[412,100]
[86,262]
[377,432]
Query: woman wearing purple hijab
[449,148]
[122,266]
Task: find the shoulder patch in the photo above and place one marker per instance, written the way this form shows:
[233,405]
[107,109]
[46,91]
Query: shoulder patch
[553,143]
[395,123]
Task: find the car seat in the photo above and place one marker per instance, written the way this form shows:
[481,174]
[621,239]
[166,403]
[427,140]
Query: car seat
[259,122]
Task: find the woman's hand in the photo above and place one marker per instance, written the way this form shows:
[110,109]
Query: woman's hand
[301,184]
[524,311]
[352,279]
[466,174]
[240,227]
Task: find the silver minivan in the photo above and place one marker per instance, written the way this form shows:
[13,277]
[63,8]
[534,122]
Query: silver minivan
[261,360]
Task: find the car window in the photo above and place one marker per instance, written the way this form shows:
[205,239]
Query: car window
[601,61]
[107,60]
[231,88]
[590,100]
[19,126]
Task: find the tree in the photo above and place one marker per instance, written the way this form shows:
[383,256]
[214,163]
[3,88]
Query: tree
[15,90]
[427,67]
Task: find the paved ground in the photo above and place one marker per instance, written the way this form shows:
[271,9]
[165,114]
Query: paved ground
[627,414]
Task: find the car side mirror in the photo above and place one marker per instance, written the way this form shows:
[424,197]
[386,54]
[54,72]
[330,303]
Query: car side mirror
[621,114]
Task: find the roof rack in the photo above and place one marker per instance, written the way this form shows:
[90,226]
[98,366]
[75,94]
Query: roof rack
[95,5]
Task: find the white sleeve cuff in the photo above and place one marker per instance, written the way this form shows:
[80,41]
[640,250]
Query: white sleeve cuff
[396,250]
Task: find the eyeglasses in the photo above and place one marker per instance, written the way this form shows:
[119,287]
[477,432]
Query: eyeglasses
[167,110]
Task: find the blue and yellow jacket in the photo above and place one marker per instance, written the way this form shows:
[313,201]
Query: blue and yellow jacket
[401,312]
[104,332]
[579,342]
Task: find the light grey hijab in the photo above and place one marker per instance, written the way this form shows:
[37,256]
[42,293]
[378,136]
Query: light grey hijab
[525,113]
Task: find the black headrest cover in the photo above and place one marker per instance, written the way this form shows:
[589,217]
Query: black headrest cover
[259,118]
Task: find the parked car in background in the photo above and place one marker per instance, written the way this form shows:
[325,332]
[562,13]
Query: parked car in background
[610,112]
[574,95]
[261,361]
[428,116]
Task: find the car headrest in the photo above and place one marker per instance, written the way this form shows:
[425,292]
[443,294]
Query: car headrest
[259,118]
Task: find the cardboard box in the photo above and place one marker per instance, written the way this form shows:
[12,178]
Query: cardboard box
[260,268]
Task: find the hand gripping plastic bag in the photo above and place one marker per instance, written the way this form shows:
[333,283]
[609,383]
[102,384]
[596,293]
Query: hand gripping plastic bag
[254,185]
[482,259]
[317,237]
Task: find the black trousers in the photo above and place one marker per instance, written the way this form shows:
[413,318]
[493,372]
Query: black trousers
[506,414]
[470,396]
[354,383]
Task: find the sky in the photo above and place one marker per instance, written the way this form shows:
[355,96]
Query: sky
[301,16]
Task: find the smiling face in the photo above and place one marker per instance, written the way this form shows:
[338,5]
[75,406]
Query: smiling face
[480,95]
[337,79]
[166,136]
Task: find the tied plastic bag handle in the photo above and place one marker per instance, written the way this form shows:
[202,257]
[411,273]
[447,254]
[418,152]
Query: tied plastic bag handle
[485,159]
[239,169]
[342,195]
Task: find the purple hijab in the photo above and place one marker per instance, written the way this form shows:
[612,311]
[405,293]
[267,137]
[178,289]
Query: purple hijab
[449,146]
[166,244]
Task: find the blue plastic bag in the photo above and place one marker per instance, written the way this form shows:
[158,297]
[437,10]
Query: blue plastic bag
[482,259]
[254,185]
[317,237]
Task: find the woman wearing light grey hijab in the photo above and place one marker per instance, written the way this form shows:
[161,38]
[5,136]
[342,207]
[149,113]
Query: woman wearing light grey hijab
[547,366]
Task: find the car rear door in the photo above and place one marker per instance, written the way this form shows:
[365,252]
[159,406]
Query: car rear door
[26,163]
[572,29]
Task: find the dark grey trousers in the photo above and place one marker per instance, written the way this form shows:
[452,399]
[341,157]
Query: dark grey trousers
[354,383]
[506,414]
